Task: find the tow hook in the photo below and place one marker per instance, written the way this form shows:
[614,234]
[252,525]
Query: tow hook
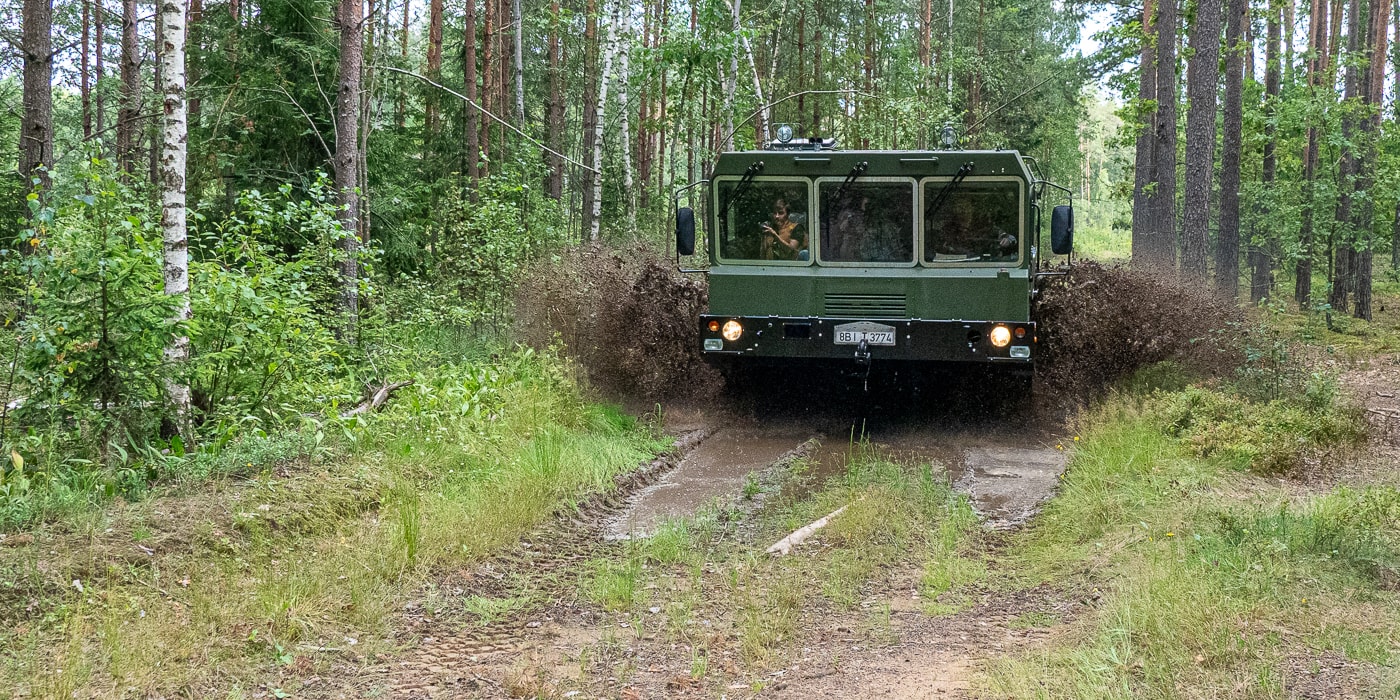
[863,353]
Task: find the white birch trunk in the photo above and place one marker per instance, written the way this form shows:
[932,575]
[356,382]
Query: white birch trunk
[596,216]
[172,175]
[730,79]
[758,95]
[519,64]
[623,77]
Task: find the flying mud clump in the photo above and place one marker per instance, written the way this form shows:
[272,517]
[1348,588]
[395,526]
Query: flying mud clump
[1100,324]
[625,316]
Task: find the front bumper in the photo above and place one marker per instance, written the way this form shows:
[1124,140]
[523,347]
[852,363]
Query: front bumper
[914,339]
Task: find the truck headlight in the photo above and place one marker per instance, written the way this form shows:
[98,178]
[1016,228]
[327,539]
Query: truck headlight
[732,330]
[1000,336]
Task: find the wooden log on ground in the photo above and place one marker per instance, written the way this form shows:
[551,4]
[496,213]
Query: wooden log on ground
[785,545]
[377,399]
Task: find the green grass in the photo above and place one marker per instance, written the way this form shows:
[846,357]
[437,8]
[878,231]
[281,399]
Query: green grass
[1203,593]
[243,573]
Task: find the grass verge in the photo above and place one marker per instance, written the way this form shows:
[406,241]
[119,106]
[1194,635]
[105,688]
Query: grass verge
[257,585]
[1211,582]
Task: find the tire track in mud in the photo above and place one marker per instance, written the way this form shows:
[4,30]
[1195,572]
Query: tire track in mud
[442,661]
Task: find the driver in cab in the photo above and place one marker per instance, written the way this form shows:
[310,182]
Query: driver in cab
[783,238]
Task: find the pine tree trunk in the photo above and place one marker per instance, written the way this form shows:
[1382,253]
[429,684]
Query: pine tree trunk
[1203,79]
[595,217]
[84,86]
[401,99]
[1227,251]
[347,132]
[128,114]
[1317,46]
[130,91]
[156,90]
[100,67]
[1260,260]
[555,183]
[193,63]
[488,82]
[472,116]
[1344,267]
[730,83]
[1372,94]
[434,73]
[1142,170]
[174,143]
[36,124]
[1162,202]
[517,37]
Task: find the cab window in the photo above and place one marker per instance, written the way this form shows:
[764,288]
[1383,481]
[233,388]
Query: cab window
[867,222]
[976,221]
[763,220]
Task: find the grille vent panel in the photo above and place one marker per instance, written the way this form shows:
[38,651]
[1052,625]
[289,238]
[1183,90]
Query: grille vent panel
[865,305]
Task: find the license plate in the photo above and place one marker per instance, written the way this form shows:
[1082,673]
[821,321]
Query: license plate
[871,333]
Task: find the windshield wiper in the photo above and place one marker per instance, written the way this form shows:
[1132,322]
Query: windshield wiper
[744,183]
[947,190]
[840,198]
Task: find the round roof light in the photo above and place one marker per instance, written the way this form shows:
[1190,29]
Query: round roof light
[785,133]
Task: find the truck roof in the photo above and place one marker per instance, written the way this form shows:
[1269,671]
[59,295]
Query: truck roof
[834,163]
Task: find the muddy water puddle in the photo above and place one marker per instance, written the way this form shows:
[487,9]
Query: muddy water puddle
[1006,474]
[717,469]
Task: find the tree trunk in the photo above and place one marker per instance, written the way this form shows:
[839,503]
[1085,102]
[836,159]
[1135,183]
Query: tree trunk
[624,38]
[1317,47]
[730,83]
[1344,268]
[488,81]
[1227,250]
[1203,79]
[401,102]
[36,124]
[1260,259]
[84,86]
[129,112]
[517,37]
[1395,226]
[555,183]
[590,106]
[194,33]
[100,19]
[434,73]
[156,90]
[172,185]
[595,217]
[1163,197]
[472,121]
[347,144]
[1142,171]
[1372,94]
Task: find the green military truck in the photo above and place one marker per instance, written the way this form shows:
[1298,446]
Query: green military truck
[871,256]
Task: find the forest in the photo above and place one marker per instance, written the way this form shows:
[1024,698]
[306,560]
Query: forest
[342,338]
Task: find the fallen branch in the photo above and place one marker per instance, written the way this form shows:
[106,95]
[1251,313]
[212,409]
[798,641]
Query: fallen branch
[1386,413]
[377,400]
[784,546]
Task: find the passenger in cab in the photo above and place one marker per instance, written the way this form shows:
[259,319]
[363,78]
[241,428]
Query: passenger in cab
[783,238]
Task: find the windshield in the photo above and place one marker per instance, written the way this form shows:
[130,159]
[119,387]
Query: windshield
[867,221]
[979,221]
[766,221]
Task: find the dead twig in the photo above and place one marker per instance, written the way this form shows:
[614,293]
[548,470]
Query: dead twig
[785,545]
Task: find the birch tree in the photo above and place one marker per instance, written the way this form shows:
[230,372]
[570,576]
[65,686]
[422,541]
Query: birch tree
[173,160]
[595,216]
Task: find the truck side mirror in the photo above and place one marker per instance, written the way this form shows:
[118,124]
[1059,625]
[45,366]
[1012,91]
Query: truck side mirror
[685,231]
[1062,230]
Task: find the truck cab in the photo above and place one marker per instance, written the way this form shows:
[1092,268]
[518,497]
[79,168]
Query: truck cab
[866,256]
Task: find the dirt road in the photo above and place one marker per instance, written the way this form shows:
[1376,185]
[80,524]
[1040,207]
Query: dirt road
[619,601]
